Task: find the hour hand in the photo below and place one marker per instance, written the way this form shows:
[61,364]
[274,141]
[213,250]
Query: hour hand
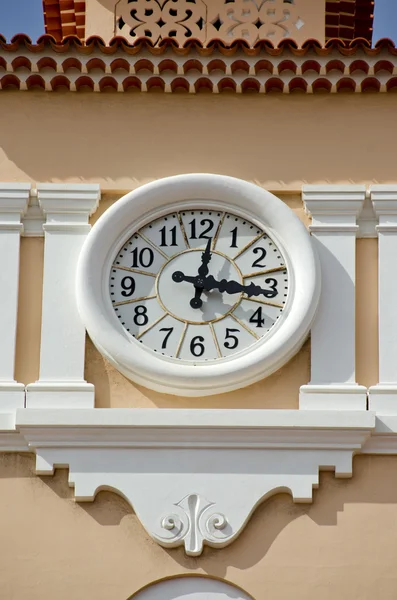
[205,259]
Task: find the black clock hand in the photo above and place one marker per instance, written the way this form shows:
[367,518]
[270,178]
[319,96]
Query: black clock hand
[206,256]
[230,287]
[205,259]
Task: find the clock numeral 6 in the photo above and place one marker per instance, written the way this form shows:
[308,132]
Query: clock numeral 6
[231,341]
[197,346]
[128,285]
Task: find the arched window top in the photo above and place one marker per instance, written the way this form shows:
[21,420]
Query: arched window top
[191,588]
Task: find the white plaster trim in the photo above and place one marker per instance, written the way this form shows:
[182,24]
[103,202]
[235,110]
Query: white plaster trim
[14,198]
[33,220]
[181,470]
[383,396]
[334,210]
[66,208]
[367,220]
[188,191]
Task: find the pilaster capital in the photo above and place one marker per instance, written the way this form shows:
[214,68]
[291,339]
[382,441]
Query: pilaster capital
[67,205]
[384,199]
[334,208]
[14,199]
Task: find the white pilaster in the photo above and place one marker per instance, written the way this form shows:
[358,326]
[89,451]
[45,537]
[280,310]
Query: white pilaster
[61,384]
[334,210]
[383,396]
[14,198]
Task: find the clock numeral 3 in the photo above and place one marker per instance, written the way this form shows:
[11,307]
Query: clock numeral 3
[273,283]
[197,346]
[128,285]
[231,341]
[144,258]
[140,317]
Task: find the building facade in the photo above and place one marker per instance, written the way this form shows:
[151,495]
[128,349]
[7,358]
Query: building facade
[198,396]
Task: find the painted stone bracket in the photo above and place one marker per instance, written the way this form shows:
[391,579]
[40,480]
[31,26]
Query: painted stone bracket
[194,477]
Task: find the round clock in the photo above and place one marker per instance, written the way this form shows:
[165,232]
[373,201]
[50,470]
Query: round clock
[198,284]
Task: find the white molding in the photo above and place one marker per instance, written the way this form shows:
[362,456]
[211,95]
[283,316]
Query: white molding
[334,210]
[181,470]
[33,220]
[383,396]
[367,220]
[217,192]
[66,208]
[14,198]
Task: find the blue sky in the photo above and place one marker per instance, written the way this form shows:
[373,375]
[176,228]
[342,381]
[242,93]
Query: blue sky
[26,16]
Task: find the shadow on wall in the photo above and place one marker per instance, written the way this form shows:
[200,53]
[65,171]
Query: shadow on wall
[344,513]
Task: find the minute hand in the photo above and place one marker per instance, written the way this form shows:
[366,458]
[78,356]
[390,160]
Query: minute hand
[234,287]
[230,287]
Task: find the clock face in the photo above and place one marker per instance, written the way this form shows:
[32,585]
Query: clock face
[199,285]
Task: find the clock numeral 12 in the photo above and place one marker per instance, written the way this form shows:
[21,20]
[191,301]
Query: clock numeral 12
[203,235]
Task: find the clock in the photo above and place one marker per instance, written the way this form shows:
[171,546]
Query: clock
[198,284]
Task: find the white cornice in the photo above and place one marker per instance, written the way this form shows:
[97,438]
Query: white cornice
[182,470]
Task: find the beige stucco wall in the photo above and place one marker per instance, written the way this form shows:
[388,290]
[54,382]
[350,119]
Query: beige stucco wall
[343,546]
[123,141]
[101,18]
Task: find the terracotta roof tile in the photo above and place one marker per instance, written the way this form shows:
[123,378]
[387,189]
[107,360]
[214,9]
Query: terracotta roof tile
[217,67]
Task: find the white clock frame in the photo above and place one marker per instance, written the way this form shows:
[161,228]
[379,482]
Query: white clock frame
[180,192]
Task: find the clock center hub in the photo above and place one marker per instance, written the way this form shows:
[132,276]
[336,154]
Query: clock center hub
[176,294]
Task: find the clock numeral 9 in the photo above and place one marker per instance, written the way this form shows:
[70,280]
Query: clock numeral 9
[128,285]
[203,235]
[140,316]
[143,258]
[231,341]
[197,346]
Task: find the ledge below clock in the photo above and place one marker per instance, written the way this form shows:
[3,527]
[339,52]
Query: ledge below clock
[193,477]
